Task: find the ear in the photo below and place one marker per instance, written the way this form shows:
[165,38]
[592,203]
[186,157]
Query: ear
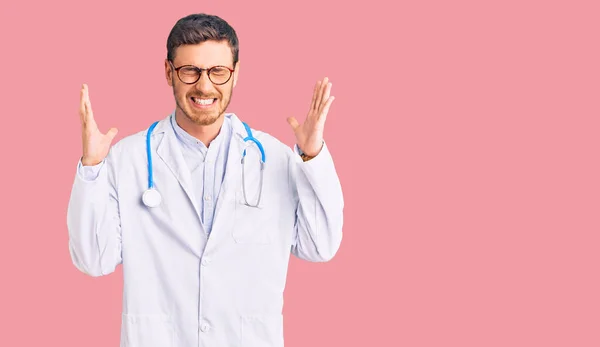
[168,73]
[236,72]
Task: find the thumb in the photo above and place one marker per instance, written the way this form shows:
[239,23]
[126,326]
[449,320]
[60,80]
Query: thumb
[112,133]
[293,123]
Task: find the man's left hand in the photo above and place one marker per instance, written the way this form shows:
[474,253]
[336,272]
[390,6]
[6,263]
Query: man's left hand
[309,135]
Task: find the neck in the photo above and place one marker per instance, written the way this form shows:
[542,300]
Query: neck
[204,133]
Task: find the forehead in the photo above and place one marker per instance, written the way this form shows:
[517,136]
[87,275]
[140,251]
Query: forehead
[205,54]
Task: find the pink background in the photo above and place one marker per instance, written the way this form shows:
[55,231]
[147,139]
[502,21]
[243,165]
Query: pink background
[465,134]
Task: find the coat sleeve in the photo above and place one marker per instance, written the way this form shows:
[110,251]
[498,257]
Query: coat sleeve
[319,207]
[93,220]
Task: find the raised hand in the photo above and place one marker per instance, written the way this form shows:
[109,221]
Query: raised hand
[95,143]
[309,135]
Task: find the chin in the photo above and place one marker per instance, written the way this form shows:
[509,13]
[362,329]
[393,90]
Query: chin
[204,119]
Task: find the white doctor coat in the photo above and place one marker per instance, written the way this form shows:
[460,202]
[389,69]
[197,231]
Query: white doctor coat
[181,287]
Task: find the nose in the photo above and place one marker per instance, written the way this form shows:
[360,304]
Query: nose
[204,85]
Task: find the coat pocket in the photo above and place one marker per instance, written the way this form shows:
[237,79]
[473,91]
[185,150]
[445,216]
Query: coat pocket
[252,225]
[147,331]
[262,330]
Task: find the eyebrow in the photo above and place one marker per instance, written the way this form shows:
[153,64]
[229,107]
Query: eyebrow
[207,66]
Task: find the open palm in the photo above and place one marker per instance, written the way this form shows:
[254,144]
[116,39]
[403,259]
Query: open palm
[309,135]
[95,144]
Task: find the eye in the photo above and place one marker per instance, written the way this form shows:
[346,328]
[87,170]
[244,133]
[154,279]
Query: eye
[219,71]
[188,71]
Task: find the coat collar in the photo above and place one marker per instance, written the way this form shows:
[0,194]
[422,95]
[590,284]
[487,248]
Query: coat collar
[164,126]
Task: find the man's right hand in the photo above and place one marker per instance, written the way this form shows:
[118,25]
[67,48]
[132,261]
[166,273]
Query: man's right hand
[95,144]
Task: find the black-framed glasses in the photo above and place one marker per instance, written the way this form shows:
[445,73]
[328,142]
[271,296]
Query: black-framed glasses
[190,74]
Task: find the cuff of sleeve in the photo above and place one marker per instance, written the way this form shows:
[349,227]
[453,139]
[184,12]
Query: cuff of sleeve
[321,176]
[89,173]
[322,159]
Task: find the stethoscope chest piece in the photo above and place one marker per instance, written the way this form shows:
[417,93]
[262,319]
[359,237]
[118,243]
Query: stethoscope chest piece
[151,197]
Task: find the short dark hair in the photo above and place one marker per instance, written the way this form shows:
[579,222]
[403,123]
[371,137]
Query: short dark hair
[200,27]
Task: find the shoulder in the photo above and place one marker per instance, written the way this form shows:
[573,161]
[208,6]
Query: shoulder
[272,144]
[137,141]
[132,144]
[131,141]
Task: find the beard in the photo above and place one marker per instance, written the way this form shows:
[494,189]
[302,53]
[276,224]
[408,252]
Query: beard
[203,117]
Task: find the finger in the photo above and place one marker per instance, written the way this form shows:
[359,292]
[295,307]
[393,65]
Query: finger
[314,98]
[293,123]
[82,105]
[325,82]
[326,93]
[89,119]
[321,99]
[325,110]
[320,94]
[86,99]
[112,133]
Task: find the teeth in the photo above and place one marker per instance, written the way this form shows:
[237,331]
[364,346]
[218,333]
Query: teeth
[203,101]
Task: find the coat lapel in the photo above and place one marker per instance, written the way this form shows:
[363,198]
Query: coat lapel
[169,152]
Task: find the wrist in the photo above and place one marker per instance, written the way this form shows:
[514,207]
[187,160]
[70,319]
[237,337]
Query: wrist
[89,162]
[309,155]
[306,157]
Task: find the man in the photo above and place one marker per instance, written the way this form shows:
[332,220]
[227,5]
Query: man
[205,262]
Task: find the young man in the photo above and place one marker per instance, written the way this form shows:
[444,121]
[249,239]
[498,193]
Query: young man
[202,211]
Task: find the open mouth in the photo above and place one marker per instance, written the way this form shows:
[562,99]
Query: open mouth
[203,102]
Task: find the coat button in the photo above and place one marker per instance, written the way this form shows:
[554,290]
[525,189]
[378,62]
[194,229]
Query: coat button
[205,261]
[204,327]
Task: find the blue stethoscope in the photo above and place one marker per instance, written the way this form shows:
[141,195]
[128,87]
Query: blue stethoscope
[152,197]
